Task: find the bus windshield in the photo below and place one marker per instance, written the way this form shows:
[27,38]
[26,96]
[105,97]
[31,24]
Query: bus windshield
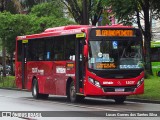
[115,54]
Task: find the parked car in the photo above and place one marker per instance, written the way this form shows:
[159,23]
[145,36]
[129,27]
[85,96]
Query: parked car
[8,69]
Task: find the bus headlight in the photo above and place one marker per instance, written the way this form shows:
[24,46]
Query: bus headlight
[94,82]
[140,82]
[97,84]
[91,80]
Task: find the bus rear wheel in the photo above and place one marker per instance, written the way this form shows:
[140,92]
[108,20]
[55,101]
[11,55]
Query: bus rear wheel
[72,94]
[120,99]
[35,91]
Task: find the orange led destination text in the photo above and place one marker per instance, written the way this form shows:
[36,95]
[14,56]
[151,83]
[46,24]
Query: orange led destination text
[121,33]
[105,65]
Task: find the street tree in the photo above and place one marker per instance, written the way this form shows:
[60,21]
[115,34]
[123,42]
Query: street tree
[80,9]
[39,24]
[133,11]
[13,6]
[35,22]
[47,15]
[53,8]
[9,30]
[28,4]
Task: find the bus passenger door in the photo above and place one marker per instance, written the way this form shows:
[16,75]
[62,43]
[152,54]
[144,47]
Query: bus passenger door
[24,63]
[79,63]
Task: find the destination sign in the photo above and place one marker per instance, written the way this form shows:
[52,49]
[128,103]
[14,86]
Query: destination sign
[112,33]
[105,66]
[128,33]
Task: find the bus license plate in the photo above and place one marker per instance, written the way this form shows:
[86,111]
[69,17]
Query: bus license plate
[119,89]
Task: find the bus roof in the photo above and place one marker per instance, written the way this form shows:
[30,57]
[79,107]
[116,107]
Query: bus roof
[64,30]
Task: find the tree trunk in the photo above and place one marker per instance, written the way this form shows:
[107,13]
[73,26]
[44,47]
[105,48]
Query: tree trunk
[12,64]
[4,60]
[2,5]
[94,21]
[148,65]
[147,38]
[85,13]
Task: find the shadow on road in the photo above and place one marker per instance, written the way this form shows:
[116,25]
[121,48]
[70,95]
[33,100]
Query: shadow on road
[86,101]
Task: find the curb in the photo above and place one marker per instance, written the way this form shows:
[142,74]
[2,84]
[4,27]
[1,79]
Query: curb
[15,89]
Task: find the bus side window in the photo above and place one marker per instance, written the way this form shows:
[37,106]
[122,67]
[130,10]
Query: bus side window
[58,56]
[69,46]
[49,49]
[48,56]
[19,50]
[59,48]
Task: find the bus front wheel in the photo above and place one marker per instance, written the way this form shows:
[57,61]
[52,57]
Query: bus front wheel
[72,94]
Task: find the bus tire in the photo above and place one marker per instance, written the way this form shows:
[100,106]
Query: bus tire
[35,91]
[120,99]
[44,96]
[72,94]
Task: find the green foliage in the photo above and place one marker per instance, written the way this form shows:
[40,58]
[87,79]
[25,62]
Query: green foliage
[151,89]
[124,9]
[39,24]
[47,15]
[10,7]
[54,8]
[155,6]
[131,11]
[127,10]
[94,10]
[12,26]
[28,4]
[155,67]
[13,6]
[7,82]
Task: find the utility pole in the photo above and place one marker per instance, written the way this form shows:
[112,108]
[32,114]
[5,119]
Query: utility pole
[85,13]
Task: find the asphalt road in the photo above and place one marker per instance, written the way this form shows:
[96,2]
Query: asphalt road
[21,104]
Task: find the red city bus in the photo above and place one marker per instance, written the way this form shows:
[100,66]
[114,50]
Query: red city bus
[80,60]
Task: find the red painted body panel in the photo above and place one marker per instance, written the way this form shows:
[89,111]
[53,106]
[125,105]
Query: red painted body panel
[92,90]
[18,74]
[95,91]
[49,79]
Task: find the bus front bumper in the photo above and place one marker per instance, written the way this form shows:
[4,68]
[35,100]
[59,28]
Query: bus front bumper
[92,90]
